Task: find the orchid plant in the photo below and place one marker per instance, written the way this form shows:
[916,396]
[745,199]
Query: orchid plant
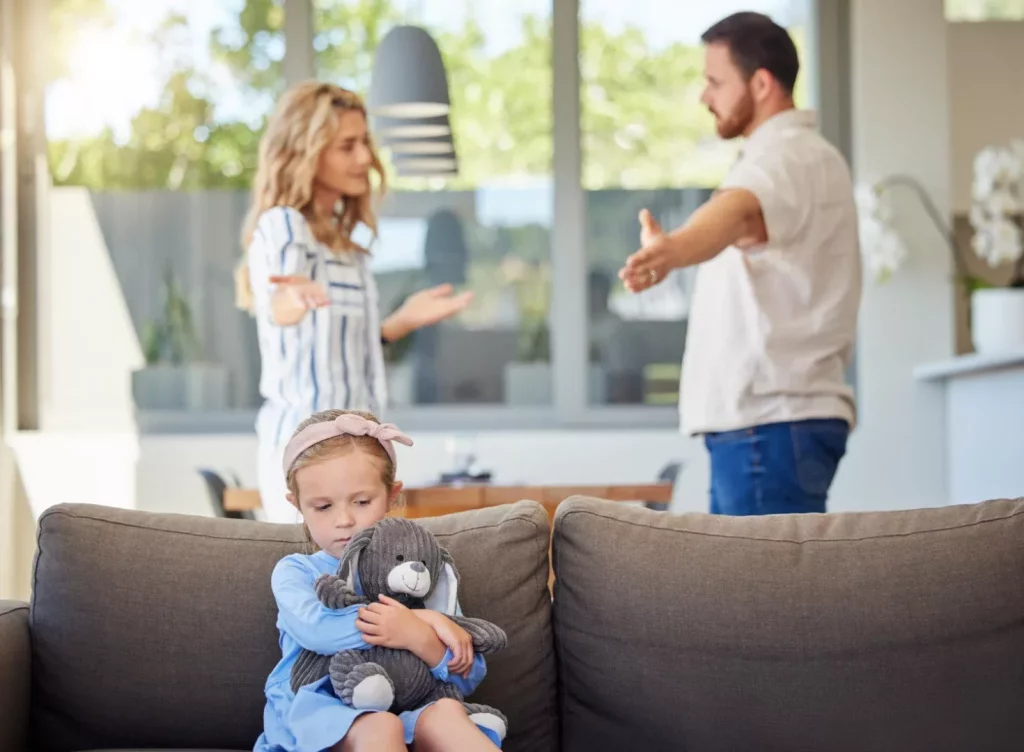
[998,204]
[996,217]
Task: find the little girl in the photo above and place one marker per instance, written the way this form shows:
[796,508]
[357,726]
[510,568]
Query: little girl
[340,472]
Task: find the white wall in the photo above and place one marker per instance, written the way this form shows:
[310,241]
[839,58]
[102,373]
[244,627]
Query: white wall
[88,346]
[901,124]
[986,89]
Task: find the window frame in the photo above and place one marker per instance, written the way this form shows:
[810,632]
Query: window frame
[828,69]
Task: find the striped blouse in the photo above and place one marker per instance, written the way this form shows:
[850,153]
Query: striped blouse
[331,359]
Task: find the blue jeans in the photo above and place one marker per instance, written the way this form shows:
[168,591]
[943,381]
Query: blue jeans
[778,468]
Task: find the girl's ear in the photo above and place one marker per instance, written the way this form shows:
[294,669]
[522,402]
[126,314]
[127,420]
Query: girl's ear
[396,492]
[292,500]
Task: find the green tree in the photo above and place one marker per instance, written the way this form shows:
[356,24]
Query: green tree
[180,143]
[985,10]
[642,123]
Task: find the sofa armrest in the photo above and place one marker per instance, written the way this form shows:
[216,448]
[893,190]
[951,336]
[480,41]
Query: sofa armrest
[15,675]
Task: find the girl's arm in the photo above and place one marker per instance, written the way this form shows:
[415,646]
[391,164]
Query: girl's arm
[390,624]
[302,615]
[466,684]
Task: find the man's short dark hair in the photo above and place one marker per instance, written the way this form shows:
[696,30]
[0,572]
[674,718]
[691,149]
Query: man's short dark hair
[755,41]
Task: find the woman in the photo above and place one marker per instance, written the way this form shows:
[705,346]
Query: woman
[307,282]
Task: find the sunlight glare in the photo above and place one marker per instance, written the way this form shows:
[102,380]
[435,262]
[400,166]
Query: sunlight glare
[111,78]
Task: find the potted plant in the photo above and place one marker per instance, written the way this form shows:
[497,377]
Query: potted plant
[996,312]
[175,376]
[528,378]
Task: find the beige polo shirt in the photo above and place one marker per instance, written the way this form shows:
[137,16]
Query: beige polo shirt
[772,328]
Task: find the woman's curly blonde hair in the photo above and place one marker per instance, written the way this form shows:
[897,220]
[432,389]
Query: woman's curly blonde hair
[303,124]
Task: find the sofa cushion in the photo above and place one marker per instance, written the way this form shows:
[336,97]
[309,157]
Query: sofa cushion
[158,630]
[15,674]
[891,630]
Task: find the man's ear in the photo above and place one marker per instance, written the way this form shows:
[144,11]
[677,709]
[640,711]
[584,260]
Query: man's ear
[762,84]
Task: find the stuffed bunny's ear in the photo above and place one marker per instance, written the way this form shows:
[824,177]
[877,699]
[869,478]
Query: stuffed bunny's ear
[350,557]
[445,596]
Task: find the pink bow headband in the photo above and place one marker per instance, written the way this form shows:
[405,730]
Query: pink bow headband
[344,425]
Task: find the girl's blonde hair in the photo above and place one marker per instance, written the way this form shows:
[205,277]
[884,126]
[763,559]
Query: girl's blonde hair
[303,124]
[337,446]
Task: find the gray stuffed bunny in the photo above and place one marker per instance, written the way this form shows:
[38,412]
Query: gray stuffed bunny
[401,559]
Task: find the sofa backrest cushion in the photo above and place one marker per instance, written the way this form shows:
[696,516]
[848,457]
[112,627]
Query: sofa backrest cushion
[158,630]
[890,630]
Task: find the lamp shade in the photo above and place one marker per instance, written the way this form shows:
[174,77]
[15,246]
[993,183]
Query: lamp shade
[423,146]
[408,78]
[428,173]
[425,165]
[387,129]
[421,163]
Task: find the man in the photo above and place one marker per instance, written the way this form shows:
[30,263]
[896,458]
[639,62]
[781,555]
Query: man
[774,309]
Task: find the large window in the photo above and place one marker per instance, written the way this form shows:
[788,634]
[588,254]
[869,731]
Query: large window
[153,117]
[155,109]
[487,229]
[648,143]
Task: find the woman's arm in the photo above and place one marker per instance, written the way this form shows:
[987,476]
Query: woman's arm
[424,308]
[281,271]
[302,615]
[294,297]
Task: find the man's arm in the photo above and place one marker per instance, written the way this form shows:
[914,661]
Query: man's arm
[727,218]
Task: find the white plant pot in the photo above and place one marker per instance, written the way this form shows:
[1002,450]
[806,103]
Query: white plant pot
[997,320]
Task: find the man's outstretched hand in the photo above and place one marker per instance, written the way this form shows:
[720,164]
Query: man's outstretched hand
[655,259]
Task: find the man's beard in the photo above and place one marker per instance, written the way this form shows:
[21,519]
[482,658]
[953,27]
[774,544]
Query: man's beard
[738,122]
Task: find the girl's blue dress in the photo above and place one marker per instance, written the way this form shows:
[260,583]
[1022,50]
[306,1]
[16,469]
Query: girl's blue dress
[314,719]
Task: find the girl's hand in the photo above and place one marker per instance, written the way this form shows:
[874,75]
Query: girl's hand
[455,639]
[389,624]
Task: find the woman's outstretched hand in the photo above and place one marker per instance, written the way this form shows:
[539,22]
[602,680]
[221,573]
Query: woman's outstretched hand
[424,308]
[295,296]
